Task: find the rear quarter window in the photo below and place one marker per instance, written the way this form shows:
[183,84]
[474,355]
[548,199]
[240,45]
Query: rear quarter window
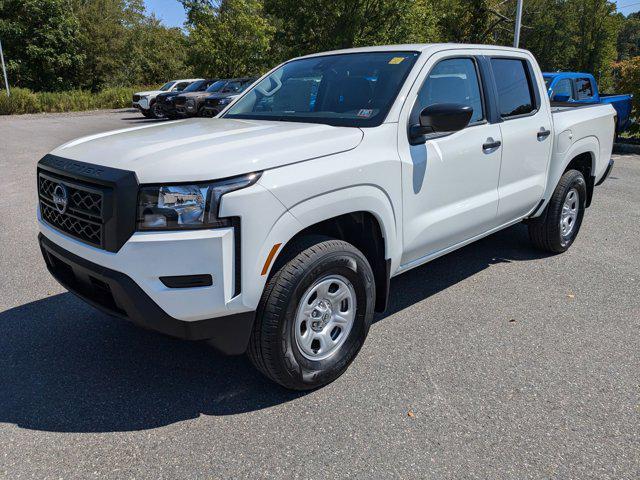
[584,88]
[515,88]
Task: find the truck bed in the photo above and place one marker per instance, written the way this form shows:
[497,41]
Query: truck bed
[583,124]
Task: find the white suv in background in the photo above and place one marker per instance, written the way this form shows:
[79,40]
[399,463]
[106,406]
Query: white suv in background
[145,101]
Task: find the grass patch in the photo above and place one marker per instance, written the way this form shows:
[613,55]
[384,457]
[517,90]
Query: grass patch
[23,100]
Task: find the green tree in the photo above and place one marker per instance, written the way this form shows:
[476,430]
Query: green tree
[153,54]
[596,38]
[40,40]
[307,26]
[629,37]
[124,46]
[466,21]
[550,35]
[627,73]
[228,38]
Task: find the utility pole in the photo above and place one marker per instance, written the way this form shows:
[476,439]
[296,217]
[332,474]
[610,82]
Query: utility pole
[516,35]
[4,70]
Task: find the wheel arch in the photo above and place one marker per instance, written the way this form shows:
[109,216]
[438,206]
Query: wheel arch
[361,215]
[362,230]
[583,156]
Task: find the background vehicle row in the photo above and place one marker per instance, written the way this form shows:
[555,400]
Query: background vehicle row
[144,101]
[197,97]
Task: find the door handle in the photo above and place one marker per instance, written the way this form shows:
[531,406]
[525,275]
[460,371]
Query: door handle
[542,134]
[491,145]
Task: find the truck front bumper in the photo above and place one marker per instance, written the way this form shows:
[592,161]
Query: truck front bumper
[227,328]
[142,104]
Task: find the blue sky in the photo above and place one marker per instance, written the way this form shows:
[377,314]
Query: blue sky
[172,14]
[169,11]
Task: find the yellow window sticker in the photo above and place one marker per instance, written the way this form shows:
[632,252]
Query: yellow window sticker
[396,60]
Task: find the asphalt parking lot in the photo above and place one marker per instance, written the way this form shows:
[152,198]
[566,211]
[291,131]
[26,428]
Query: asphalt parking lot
[493,362]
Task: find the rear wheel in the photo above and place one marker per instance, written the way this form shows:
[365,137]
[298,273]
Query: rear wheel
[314,314]
[558,226]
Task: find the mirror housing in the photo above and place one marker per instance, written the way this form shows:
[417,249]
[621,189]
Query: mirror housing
[441,118]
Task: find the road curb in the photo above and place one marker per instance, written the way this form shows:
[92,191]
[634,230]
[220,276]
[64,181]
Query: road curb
[626,148]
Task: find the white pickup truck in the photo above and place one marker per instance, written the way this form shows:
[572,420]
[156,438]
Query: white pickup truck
[275,228]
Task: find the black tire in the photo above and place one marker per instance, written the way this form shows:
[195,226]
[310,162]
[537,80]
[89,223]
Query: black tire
[545,231]
[146,113]
[273,348]
[156,111]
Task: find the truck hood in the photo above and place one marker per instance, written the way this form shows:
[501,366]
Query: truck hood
[149,92]
[209,148]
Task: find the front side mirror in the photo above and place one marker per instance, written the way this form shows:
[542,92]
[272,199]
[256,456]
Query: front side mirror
[442,118]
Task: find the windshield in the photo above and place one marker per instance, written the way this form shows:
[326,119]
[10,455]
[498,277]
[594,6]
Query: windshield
[215,87]
[194,87]
[166,86]
[198,86]
[355,89]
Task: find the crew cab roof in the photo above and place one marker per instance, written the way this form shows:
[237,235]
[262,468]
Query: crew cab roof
[566,74]
[416,47]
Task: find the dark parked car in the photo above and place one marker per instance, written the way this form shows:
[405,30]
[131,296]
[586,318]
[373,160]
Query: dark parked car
[192,103]
[216,102]
[165,102]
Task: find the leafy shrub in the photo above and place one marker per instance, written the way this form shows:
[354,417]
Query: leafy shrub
[23,100]
[627,75]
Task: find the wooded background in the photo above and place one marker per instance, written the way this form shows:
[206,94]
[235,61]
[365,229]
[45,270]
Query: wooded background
[53,45]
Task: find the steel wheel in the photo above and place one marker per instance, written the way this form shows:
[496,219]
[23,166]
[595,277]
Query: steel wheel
[569,214]
[324,317]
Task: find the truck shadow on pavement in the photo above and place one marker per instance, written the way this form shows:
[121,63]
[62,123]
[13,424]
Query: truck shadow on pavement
[65,367]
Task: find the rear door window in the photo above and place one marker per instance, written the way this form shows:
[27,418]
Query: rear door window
[515,89]
[584,88]
[563,90]
[454,80]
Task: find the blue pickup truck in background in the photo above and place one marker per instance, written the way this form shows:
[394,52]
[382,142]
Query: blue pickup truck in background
[574,87]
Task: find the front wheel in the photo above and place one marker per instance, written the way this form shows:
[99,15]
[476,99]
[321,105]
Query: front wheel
[558,226]
[314,314]
[156,111]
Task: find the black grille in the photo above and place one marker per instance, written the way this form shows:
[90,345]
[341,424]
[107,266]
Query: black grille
[136,98]
[83,217]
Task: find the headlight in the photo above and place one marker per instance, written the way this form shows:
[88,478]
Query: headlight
[175,207]
[143,96]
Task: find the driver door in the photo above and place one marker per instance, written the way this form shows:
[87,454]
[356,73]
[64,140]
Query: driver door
[450,182]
